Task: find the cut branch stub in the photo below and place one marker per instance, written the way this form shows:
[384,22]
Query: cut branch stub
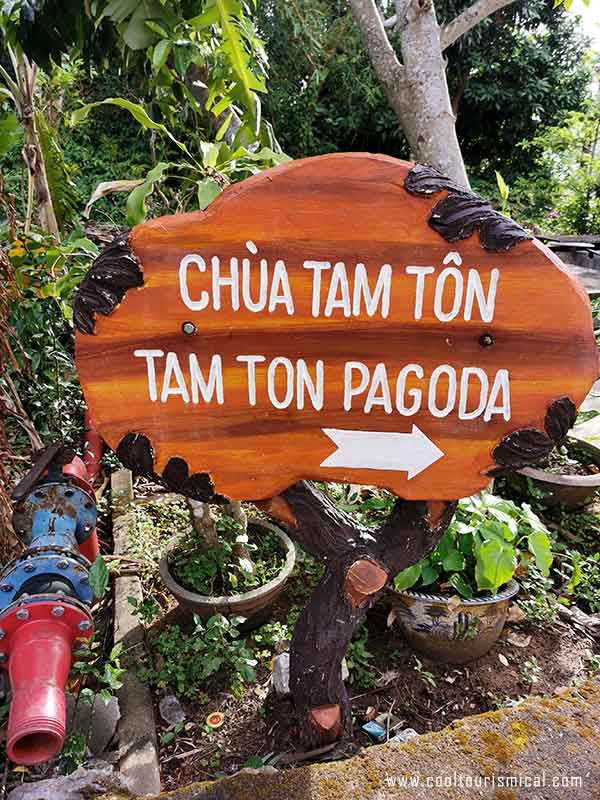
[363,579]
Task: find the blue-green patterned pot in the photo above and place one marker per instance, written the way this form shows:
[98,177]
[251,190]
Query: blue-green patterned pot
[446,631]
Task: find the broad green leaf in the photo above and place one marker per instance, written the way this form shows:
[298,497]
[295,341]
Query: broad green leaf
[492,529]
[461,586]
[99,577]
[495,564]
[208,17]
[223,128]
[137,112]
[210,153]
[136,202]
[234,46]
[502,187]
[207,191]
[119,10]
[408,577]
[10,131]
[453,560]
[509,522]
[221,106]
[429,574]
[154,26]
[160,54]
[136,33]
[532,519]
[539,544]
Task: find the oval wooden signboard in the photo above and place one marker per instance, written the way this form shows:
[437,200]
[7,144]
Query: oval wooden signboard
[349,317]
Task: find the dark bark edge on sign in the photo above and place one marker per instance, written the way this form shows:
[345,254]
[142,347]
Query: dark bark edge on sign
[560,418]
[529,445]
[135,452]
[458,215]
[116,270]
[522,448]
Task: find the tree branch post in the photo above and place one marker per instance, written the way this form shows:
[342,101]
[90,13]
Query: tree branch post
[359,562]
[467,19]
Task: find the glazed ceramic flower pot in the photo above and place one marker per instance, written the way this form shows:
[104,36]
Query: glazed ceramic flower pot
[253,605]
[443,630]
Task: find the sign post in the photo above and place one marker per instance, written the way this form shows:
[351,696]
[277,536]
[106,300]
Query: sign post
[343,318]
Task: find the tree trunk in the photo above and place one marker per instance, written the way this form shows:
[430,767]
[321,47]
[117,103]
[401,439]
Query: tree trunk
[429,122]
[359,563]
[33,154]
[417,90]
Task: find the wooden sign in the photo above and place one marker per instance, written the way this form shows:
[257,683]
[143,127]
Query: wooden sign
[349,317]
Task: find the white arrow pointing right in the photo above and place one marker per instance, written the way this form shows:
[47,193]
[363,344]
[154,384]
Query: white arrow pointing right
[403,452]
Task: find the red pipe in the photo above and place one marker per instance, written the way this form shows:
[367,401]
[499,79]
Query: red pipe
[90,549]
[39,664]
[93,448]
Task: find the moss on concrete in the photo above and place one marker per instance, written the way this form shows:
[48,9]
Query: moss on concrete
[539,738]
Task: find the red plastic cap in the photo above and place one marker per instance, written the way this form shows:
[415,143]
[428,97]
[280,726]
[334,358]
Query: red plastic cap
[40,658]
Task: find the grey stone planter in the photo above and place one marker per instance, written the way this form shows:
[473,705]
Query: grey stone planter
[569,490]
[254,605]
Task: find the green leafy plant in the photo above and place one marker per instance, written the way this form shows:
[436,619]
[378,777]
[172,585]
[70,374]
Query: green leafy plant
[504,192]
[221,569]
[73,753]
[530,671]
[147,610]
[168,737]
[358,658]
[184,661]
[540,605]
[203,174]
[105,672]
[583,579]
[485,542]
[427,677]
[99,577]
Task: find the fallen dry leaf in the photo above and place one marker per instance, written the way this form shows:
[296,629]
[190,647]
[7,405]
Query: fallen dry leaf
[518,639]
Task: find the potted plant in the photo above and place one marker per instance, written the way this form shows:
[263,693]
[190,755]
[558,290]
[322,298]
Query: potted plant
[569,476]
[228,564]
[452,605]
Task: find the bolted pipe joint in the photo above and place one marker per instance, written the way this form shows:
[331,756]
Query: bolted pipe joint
[45,601]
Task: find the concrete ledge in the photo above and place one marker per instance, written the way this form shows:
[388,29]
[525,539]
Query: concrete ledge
[540,742]
[138,750]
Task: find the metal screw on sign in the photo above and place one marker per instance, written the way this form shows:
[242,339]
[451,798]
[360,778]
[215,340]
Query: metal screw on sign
[189,328]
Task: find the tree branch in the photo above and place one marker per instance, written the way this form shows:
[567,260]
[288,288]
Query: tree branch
[390,22]
[470,17]
[385,61]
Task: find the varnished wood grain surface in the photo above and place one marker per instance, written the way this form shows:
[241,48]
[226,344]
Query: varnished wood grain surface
[351,208]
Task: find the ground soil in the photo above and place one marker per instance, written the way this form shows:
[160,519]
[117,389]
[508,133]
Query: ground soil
[483,685]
